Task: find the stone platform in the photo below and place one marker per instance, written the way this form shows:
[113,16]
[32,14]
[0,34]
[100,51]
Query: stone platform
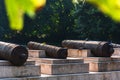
[77,53]
[116,53]
[7,70]
[63,66]
[80,65]
[113,75]
[101,64]
[36,53]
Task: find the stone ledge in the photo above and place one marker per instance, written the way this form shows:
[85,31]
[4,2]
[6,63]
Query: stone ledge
[38,61]
[22,71]
[7,63]
[60,61]
[116,53]
[22,78]
[58,69]
[79,53]
[36,53]
[100,59]
[112,75]
[104,66]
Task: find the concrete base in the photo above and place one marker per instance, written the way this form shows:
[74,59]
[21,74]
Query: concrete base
[7,63]
[22,78]
[22,71]
[113,75]
[100,59]
[86,76]
[79,53]
[63,66]
[38,61]
[60,66]
[36,53]
[7,70]
[61,61]
[103,64]
[58,69]
[116,53]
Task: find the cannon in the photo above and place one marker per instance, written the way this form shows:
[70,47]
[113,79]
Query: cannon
[51,51]
[14,53]
[98,48]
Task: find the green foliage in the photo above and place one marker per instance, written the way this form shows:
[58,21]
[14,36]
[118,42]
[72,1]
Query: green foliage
[93,25]
[54,23]
[110,8]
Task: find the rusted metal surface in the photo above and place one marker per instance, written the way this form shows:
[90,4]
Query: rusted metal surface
[98,48]
[51,51]
[16,54]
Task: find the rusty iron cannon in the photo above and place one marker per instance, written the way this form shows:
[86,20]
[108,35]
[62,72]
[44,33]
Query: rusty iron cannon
[14,53]
[51,51]
[98,48]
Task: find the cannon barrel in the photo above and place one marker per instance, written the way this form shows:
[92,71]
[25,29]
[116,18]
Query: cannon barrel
[98,48]
[51,51]
[16,54]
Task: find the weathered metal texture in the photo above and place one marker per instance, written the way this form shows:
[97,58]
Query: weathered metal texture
[98,48]
[51,51]
[16,54]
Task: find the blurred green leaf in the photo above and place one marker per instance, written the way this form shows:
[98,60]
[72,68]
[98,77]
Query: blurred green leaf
[17,8]
[109,7]
[15,14]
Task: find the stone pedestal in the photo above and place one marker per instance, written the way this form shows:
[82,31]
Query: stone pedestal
[36,53]
[63,66]
[76,53]
[7,63]
[7,70]
[103,64]
[116,53]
